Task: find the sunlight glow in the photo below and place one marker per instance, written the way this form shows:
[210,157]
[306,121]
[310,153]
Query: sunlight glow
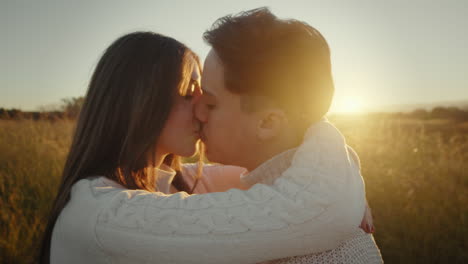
[350,105]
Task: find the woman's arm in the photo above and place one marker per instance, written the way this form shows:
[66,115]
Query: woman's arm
[314,206]
[262,223]
[220,178]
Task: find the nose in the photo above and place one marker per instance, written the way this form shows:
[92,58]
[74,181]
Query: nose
[200,111]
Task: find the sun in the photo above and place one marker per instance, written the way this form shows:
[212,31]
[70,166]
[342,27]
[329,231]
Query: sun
[350,105]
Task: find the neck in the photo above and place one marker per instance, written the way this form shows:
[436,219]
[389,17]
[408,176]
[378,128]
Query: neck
[159,158]
[269,149]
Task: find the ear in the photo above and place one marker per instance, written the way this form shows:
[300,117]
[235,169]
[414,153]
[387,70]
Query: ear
[270,124]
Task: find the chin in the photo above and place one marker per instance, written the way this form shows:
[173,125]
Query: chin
[210,154]
[187,153]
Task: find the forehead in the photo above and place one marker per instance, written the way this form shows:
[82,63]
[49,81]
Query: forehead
[213,75]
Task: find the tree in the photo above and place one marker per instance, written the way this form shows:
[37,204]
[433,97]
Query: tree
[72,106]
[420,114]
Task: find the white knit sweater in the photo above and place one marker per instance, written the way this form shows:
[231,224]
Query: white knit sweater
[314,206]
[359,249]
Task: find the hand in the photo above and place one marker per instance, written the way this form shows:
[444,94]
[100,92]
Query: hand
[367,221]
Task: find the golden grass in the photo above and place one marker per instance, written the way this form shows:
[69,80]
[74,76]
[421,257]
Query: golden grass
[31,159]
[416,177]
[416,181]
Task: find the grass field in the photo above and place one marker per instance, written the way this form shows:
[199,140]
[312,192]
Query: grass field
[416,177]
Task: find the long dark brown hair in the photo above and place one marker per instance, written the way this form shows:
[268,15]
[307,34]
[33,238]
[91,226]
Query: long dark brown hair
[128,101]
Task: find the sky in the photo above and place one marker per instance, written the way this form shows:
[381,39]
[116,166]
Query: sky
[383,52]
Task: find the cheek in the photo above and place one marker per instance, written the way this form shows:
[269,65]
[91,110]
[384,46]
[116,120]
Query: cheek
[230,139]
[225,128]
[218,120]
[180,118]
[178,129]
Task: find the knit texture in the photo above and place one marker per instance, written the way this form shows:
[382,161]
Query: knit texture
[359,249]
[314,206]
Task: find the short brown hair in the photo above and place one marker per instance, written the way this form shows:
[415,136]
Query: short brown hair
[287,61]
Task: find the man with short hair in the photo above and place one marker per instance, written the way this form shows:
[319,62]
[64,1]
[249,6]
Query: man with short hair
[262,67]
[267,84]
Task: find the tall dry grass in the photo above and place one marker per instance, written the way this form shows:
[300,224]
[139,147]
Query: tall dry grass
[31,158]
[416,177]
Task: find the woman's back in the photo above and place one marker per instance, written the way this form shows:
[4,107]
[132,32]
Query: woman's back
[73,237]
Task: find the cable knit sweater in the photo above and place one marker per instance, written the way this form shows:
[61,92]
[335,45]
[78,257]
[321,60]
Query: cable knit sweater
[359,249]
[314,206]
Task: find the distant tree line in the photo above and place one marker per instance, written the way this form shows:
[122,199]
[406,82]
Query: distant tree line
[441,113]
[68,109]
[451,113]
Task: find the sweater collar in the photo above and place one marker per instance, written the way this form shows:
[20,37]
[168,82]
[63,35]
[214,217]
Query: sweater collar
[270,170]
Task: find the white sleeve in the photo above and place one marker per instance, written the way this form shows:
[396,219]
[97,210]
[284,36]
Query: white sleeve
[305,211]
[354,156]
[264,222]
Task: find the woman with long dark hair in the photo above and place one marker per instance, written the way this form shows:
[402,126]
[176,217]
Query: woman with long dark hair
[137,111]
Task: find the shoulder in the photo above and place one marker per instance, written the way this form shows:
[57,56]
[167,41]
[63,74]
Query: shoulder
[76,223]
